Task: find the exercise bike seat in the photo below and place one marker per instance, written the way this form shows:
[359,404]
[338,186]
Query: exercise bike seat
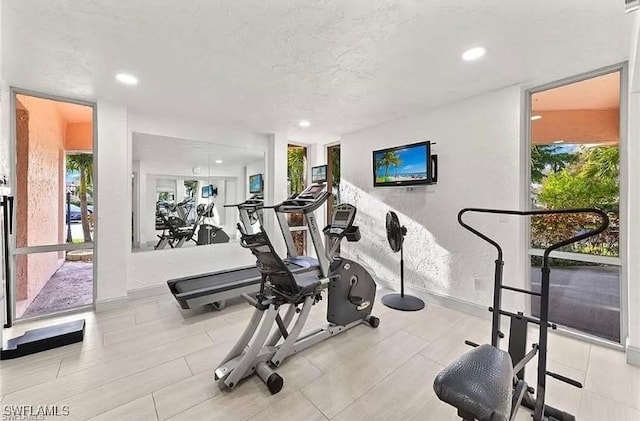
[304,261]
[479,384]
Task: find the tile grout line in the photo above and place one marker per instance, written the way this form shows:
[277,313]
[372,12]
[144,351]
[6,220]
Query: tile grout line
[111,381]
[314,405]
[184,357]
[155,406]
[179,338]
[36,384]
[311,362]
[59,367]
[377,383]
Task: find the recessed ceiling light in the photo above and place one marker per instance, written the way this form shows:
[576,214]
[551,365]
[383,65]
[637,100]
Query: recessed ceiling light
[558,141]
[304,123]
[535,117]
[127,79]
[473,53]
[218,161]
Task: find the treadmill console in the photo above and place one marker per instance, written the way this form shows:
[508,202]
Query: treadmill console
[256,199]
[312,192]
[308,201]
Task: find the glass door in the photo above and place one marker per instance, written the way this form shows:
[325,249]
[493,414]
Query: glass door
[53,237]
[575,138]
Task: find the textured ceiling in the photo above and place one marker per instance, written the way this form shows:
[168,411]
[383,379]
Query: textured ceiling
[343,65]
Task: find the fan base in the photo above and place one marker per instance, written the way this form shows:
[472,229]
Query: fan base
[406,303]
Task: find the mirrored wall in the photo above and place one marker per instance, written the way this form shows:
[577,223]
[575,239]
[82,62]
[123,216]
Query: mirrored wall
[180,188]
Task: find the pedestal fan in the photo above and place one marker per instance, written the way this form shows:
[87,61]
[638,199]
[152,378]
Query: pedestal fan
[395,236]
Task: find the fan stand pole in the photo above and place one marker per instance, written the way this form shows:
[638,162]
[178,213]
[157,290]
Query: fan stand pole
[402,271]
[400,301]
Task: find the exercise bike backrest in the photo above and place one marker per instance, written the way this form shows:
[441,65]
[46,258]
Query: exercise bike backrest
[271,266]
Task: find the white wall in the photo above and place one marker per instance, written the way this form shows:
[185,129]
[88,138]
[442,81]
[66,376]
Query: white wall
[633,191]
[478,146]
[275,186]
[113,207]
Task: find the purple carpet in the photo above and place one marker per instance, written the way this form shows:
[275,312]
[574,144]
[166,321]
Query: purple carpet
[71,286]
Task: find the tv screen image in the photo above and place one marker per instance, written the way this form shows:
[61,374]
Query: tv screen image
[402,165]
[319,174]
[209,191]
[255,184]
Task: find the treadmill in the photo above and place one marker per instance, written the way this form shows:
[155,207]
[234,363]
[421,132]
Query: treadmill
[216,287]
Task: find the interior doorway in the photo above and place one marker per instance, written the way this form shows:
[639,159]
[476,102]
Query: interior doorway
[52,169]
[575,141]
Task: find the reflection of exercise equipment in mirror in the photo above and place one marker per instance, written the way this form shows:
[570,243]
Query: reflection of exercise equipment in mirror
[488,383]
[179,226]
[209,231]
[395,236]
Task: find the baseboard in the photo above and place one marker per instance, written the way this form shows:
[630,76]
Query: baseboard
[111,304]
[150,291]
[633,355]
[449,302]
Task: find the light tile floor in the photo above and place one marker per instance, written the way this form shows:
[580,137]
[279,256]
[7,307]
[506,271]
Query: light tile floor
[151,361]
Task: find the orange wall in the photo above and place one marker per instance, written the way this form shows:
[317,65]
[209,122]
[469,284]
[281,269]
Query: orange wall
[79,137]
[42,163]
[576,126]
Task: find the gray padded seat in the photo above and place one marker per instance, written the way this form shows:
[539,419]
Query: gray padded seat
[307,282]
[479,384]
[304,261]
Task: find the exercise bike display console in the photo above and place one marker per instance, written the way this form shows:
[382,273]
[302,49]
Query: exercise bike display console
[342,224]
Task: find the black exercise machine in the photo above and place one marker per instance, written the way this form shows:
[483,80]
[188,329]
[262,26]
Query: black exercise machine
[176,229]
[34,340]
[485,384]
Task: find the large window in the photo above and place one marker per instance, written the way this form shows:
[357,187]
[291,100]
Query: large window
[575,162]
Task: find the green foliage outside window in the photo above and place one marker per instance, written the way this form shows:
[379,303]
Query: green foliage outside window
[586,177]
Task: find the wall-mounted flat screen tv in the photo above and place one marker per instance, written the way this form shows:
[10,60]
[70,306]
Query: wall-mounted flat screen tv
[255,184]
[405,165]
[209,191]
[319,174]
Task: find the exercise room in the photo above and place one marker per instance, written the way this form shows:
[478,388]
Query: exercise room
[336,210]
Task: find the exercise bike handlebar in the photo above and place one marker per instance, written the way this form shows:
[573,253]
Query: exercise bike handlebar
[604,224]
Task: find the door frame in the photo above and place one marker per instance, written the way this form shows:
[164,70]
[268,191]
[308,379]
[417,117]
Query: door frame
[13,250]
[623,68]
